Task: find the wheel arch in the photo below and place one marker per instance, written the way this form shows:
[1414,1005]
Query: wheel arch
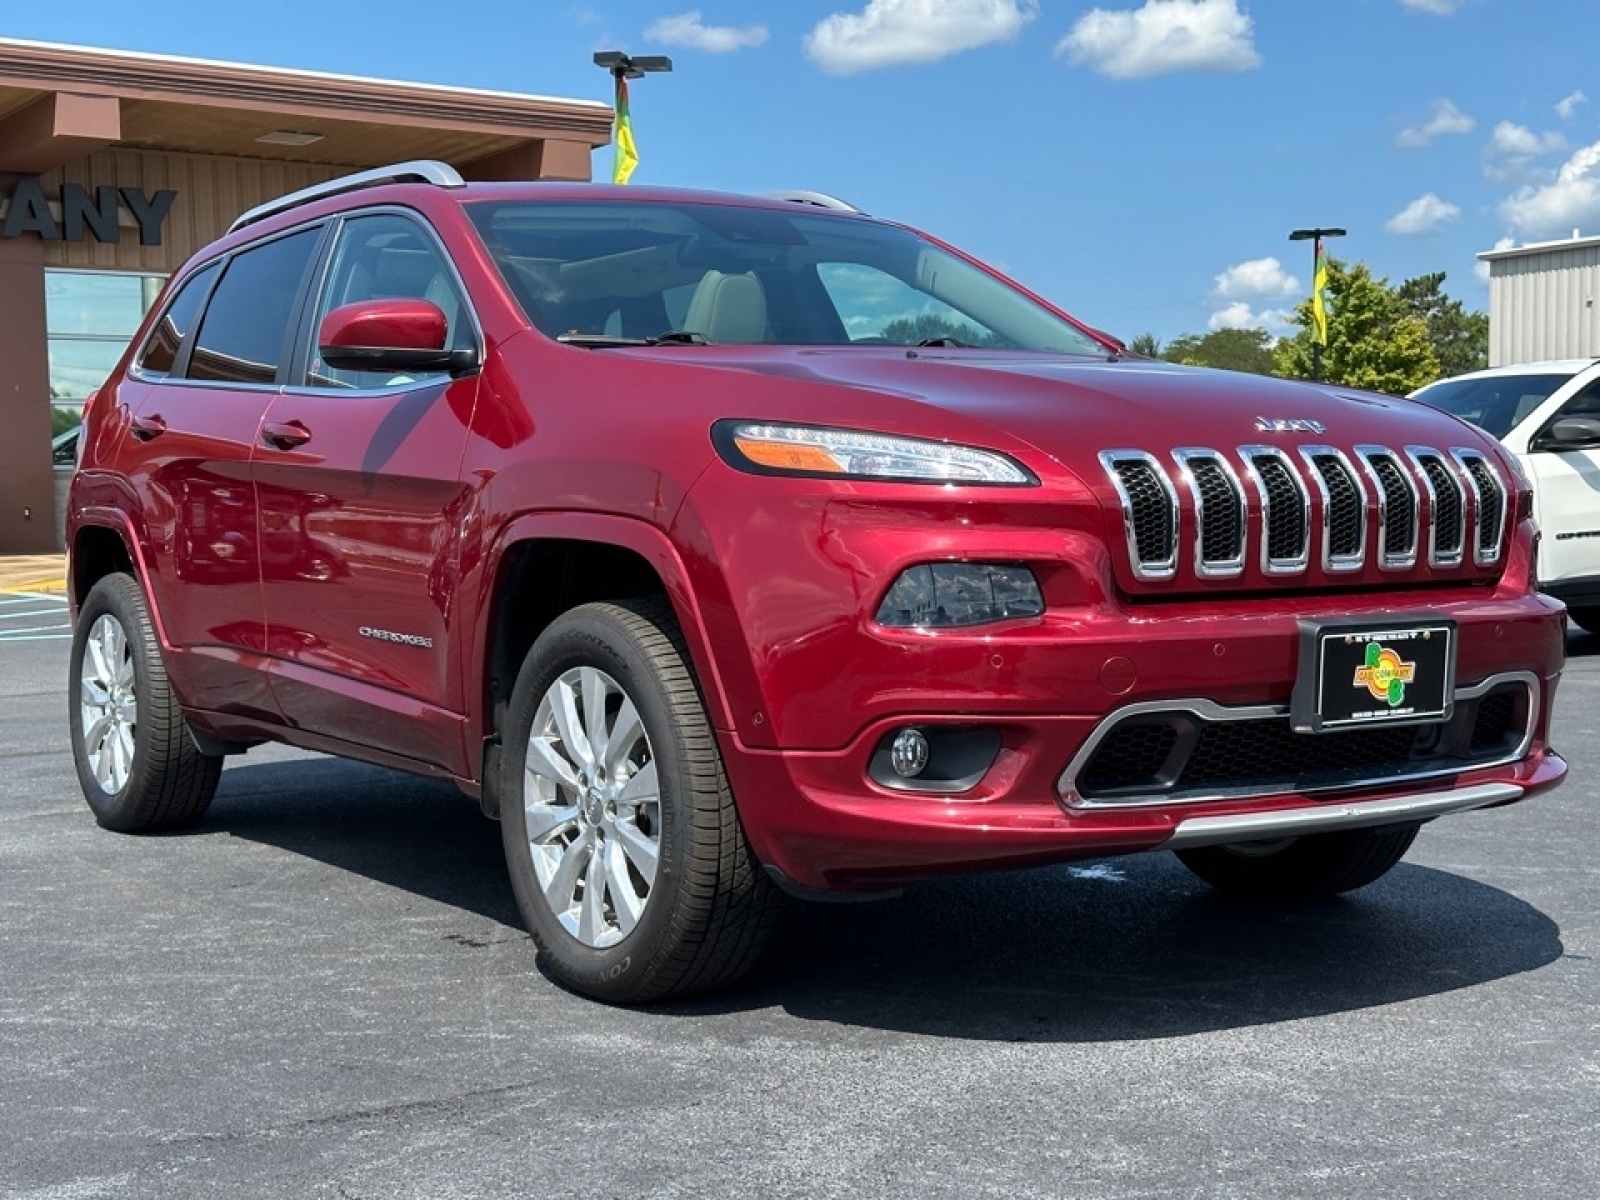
[546,564]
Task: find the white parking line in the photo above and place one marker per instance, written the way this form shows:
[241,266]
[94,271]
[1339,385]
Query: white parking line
[21,606]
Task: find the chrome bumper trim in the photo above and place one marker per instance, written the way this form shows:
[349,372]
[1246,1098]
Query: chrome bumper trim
[1251,827]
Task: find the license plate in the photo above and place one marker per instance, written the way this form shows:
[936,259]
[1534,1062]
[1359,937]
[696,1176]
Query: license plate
[1373,673]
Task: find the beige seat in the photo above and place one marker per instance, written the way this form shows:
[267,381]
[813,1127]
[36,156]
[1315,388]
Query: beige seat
[728,308]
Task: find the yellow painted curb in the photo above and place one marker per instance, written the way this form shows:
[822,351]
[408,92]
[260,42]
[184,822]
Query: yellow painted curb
[57,584]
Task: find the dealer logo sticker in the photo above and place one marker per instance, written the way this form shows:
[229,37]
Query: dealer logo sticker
[1385,674]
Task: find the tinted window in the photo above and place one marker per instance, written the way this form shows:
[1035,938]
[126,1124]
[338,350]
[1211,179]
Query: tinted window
[1494,403]
[244,334]
[161,348]
[600,270]
[387,257]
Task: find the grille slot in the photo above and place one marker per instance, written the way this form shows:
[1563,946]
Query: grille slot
[1284,510]
[1201,751]
[1397,506]
[1444,493]
[1219,511]
[1150,506]
[1344,509]
[1489,502]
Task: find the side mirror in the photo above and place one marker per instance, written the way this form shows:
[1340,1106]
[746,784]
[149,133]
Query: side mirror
[395,336]
[1569,433]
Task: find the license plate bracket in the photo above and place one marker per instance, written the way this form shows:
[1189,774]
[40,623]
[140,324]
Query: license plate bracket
[1358,673]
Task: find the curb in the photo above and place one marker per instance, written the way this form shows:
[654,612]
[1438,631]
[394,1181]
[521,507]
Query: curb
[54,584]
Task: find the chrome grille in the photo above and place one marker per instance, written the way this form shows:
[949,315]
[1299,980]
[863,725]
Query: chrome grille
[1489,498]
[1265,502]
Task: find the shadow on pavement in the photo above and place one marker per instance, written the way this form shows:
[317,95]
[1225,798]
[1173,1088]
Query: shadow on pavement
[1114,950]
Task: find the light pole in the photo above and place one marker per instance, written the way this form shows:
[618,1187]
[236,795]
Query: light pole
[622,69]
[1319,283]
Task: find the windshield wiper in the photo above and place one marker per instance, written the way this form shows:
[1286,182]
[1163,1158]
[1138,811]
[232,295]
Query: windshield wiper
[601,341]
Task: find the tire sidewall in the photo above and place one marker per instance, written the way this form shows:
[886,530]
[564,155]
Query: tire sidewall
[587,638]
[118,597]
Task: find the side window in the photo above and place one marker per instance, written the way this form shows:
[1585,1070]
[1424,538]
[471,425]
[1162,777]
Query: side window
[160,351]
[1585,404]
[877,307]
[244,334]
[386,257]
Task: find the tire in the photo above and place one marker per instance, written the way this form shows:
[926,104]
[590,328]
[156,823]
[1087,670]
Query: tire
[1587,619]
[1301,869]
[139,768]
[628,861]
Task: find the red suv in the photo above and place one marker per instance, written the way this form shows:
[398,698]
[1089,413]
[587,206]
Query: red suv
[724,547]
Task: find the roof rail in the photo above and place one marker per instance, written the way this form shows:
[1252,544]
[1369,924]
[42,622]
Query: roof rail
[417,171]
[815,200]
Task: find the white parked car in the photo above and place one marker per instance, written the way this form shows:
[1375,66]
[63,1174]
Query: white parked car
[1548,415]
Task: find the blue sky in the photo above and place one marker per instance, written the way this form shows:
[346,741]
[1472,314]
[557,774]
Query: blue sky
[1140,162]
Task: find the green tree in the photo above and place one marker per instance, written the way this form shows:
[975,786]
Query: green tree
[925,327]
[1375,341]
[1460,339]
[1228,349]
[1147,344]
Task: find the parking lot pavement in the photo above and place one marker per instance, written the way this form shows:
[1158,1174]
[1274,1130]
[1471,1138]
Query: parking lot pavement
[324,990]
[33,617]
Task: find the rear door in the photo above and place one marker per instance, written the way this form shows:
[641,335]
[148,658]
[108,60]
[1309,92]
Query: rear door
[361,511]
[196,399]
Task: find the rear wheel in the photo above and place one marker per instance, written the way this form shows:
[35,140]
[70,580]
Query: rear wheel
[627,858]
[1300,869]
[137,763]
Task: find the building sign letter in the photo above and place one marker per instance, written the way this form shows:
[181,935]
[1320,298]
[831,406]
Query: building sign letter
[80,214]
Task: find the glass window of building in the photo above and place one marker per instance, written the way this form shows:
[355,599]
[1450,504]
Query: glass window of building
[89,317]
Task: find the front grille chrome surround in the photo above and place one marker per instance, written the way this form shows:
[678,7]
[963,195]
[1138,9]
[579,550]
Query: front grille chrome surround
[1211,514]
[1399,507]
[1490,502]
[1219,512]
[1447,523]
[1150,508]
[1285,524]
[1493,727]
[1344,508]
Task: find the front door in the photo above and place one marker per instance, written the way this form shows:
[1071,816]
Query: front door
[361,510]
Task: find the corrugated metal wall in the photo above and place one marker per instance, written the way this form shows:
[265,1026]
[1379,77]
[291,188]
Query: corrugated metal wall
[211,193]
[1545,304]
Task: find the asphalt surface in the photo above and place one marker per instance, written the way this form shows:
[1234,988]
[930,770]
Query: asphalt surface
[324,990]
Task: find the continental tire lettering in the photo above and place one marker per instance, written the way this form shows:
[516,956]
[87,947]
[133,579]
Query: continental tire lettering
[399,639]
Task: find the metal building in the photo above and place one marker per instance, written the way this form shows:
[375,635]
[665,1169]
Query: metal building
[1542,301]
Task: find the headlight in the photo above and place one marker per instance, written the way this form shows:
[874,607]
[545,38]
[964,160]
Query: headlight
[847,453]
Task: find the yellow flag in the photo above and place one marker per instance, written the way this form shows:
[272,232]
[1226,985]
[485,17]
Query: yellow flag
[1319,303]
[627,152]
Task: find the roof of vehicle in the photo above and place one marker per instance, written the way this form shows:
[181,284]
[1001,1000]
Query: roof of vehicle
[1552,366]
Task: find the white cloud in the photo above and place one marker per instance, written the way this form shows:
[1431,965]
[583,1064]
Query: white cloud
[1439,8]
[1446,118]
[686,29]
[1422,215]
[1568,105]
[1258,277]
[894,33]
[1554,209]
[1240,315]
[1518,141]
[1161,37]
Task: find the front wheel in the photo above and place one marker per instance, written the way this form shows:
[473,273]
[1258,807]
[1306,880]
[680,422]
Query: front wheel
[627,858]
[138,766]
[1300,869]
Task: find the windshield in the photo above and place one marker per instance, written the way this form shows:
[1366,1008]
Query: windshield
[1494,403]
[616,272]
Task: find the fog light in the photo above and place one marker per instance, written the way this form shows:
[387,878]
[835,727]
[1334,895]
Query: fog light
[909,753]
[934,595]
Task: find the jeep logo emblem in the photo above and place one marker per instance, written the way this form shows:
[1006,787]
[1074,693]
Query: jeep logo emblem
[1289,425]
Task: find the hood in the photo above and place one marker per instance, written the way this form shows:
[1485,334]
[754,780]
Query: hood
[1206,479]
